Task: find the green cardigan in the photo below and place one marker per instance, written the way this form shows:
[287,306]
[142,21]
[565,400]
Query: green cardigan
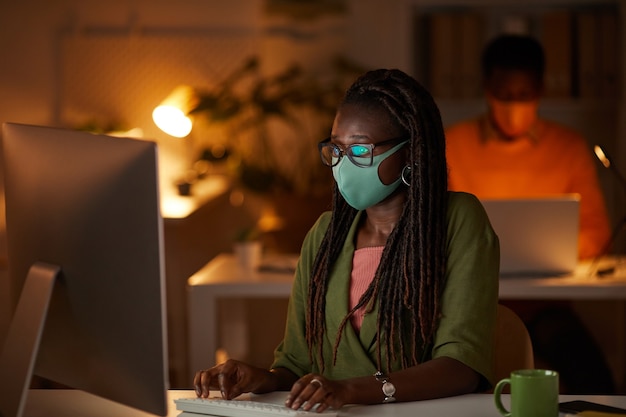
[468,305]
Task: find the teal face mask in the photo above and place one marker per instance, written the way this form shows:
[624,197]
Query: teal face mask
[360,186]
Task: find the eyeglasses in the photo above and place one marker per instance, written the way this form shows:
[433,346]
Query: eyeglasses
[361,154]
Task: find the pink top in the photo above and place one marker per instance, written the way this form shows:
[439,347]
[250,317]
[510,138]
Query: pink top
[364,265]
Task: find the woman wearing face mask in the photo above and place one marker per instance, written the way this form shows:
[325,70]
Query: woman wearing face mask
[511,152]
[395,292]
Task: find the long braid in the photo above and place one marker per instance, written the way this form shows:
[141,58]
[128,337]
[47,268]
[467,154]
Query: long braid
[408,282]
[341,219]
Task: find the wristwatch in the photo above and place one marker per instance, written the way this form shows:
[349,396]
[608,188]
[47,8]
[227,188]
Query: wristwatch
[389,389]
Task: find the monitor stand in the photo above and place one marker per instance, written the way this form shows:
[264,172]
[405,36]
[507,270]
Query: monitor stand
[17,360]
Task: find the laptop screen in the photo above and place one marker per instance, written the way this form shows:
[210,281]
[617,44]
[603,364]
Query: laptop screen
[538,236]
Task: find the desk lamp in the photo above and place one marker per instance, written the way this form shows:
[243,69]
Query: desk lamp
[172,114]
[607,163]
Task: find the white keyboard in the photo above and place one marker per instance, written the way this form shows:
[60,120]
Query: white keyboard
[241,408]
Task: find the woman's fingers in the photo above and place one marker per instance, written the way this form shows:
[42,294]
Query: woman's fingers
[203,382]
[307,392]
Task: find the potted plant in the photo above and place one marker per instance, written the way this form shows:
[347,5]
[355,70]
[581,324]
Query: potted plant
[271,125]
[248,247]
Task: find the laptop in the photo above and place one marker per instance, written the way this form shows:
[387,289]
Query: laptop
[538,236]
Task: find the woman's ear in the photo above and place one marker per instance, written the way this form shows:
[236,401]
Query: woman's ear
[406,152]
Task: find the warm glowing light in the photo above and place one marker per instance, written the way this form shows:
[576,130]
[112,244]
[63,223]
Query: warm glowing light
[176,208]
[172,121]
[171,116]
[136,133]
[606,161]
[236,198]
[601,156]
[270,221]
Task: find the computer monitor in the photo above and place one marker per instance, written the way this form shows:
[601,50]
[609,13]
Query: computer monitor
[85,250]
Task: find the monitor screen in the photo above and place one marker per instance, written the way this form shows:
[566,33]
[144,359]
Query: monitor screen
[86,269]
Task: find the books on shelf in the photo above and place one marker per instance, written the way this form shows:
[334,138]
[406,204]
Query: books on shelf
[597,39]
[588,85]
[556,40]
[581,47]
[455,42]
[442,47]
[609,47]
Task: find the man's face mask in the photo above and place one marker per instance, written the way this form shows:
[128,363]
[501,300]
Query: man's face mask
[361,187]
[513,118]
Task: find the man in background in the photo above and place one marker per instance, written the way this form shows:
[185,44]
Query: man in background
[511,152]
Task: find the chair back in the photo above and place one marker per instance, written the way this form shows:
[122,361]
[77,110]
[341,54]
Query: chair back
[514,349]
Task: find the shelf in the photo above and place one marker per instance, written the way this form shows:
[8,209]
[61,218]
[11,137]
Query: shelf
[175,206]
[449,37]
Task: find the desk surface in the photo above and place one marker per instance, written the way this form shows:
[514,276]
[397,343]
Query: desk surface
[225,277]
[61,403]
[225,270]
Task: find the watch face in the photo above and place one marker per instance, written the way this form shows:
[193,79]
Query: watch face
[389,389]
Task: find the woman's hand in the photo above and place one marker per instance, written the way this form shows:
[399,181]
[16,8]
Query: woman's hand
[314,389]
[232,378]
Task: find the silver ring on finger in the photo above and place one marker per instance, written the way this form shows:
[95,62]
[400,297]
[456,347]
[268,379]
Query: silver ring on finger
[317,382]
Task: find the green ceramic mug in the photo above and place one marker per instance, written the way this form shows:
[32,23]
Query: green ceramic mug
[534,393]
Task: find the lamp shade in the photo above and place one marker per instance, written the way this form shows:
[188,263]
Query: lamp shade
[172,114]
[606,161]
[602,156]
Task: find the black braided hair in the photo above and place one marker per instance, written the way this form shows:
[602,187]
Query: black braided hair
[409,279]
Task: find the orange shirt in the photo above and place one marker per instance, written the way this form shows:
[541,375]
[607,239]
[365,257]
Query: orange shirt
[554,160]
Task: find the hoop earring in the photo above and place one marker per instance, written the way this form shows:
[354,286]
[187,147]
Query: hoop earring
[406,175]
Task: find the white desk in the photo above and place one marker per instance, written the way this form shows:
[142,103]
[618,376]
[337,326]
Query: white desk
[223,278]
[63,403]
[577,286]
